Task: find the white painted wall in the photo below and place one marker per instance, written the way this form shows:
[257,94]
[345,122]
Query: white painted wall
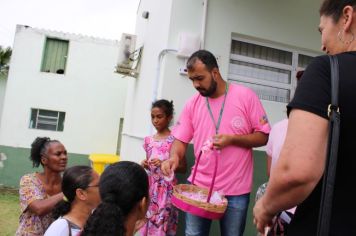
[153,34]
[2,93]
[90,93]
[286,23]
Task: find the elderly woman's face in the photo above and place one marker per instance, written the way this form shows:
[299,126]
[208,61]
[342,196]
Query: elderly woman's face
[56,157]
[329,30]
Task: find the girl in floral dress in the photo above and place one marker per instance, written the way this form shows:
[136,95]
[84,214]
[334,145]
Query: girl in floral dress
[162,217]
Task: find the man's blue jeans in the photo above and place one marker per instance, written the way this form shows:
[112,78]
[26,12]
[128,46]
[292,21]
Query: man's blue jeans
[232,223]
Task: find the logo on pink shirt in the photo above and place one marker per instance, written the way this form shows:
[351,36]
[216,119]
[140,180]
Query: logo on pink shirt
[237,123]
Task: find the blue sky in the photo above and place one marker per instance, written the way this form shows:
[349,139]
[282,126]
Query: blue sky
[104,19]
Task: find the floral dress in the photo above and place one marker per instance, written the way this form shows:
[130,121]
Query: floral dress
[162,217]
[31,189]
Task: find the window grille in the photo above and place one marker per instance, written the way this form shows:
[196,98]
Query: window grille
[47,120]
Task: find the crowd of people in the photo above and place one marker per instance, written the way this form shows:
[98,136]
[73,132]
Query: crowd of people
[77,203]
[129,198]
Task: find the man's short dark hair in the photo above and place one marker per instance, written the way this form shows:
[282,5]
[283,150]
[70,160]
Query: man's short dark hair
[206,57]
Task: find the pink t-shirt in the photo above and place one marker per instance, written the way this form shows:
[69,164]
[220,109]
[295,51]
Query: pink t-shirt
[243,114]
[276,140]
[275,143]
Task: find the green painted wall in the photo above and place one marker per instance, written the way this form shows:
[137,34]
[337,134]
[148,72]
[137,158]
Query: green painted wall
[258,178]
[18,164]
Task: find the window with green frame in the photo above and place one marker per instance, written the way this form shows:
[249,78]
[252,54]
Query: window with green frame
[47,119]
[55,56]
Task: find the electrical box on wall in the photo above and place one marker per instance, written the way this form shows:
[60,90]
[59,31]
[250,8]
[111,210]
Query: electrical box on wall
[188,43]
[183,71]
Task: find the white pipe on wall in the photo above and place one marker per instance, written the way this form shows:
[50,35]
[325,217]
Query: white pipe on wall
[203,26]
[158,71]
[158,76]
[165,51]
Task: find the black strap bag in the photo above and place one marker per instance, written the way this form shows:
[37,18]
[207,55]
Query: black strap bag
[332,151]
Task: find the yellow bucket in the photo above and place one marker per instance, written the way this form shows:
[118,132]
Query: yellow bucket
[100,161]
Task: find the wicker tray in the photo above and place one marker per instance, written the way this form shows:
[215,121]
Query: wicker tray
[195,207]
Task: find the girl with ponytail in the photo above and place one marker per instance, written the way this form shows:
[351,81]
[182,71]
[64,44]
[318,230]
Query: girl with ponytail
[124,192]
[80,186]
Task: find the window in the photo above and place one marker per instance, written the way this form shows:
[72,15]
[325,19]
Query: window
[269,71]
[47,120]
[55,56]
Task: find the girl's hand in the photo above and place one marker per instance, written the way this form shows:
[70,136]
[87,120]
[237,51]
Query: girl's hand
[144,164]
[155,162]
[139,224]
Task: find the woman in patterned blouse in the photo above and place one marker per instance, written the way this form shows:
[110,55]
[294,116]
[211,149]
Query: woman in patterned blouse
[41,191]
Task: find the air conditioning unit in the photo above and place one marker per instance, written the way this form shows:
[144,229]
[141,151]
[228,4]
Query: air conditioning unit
[126,49]
[128,56]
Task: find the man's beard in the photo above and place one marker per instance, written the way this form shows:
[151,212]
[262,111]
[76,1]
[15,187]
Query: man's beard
[210,91]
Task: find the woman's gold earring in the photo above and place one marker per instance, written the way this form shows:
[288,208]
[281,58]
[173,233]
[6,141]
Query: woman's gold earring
[348,41]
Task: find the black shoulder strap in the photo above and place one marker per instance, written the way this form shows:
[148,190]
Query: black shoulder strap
[334,71]
[69,227]
[332,151]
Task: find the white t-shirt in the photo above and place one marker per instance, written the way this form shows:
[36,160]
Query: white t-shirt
[60,228]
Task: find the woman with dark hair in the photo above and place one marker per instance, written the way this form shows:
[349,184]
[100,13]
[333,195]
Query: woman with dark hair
[124,193]
[80,186]
[297,178]
[41,191]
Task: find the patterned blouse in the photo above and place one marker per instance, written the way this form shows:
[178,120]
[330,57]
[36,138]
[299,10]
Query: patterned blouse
[31,189]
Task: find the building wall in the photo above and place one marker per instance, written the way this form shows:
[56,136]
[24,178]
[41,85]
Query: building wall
[273,21]
[152,34]
[176,86]
[90,93]
[2,93]
[292,24]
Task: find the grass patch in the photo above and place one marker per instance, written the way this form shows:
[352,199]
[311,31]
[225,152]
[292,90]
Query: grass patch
[10,211]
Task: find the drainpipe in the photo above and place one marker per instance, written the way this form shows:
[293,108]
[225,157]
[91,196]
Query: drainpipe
[156,82]
[158,71]
[203,26]
[165,51]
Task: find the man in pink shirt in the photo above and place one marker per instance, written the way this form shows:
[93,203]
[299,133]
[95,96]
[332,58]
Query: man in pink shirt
[232,119]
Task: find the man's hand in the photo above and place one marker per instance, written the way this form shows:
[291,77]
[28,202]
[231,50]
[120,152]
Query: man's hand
[144,164]
[169,166]
[221,140]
